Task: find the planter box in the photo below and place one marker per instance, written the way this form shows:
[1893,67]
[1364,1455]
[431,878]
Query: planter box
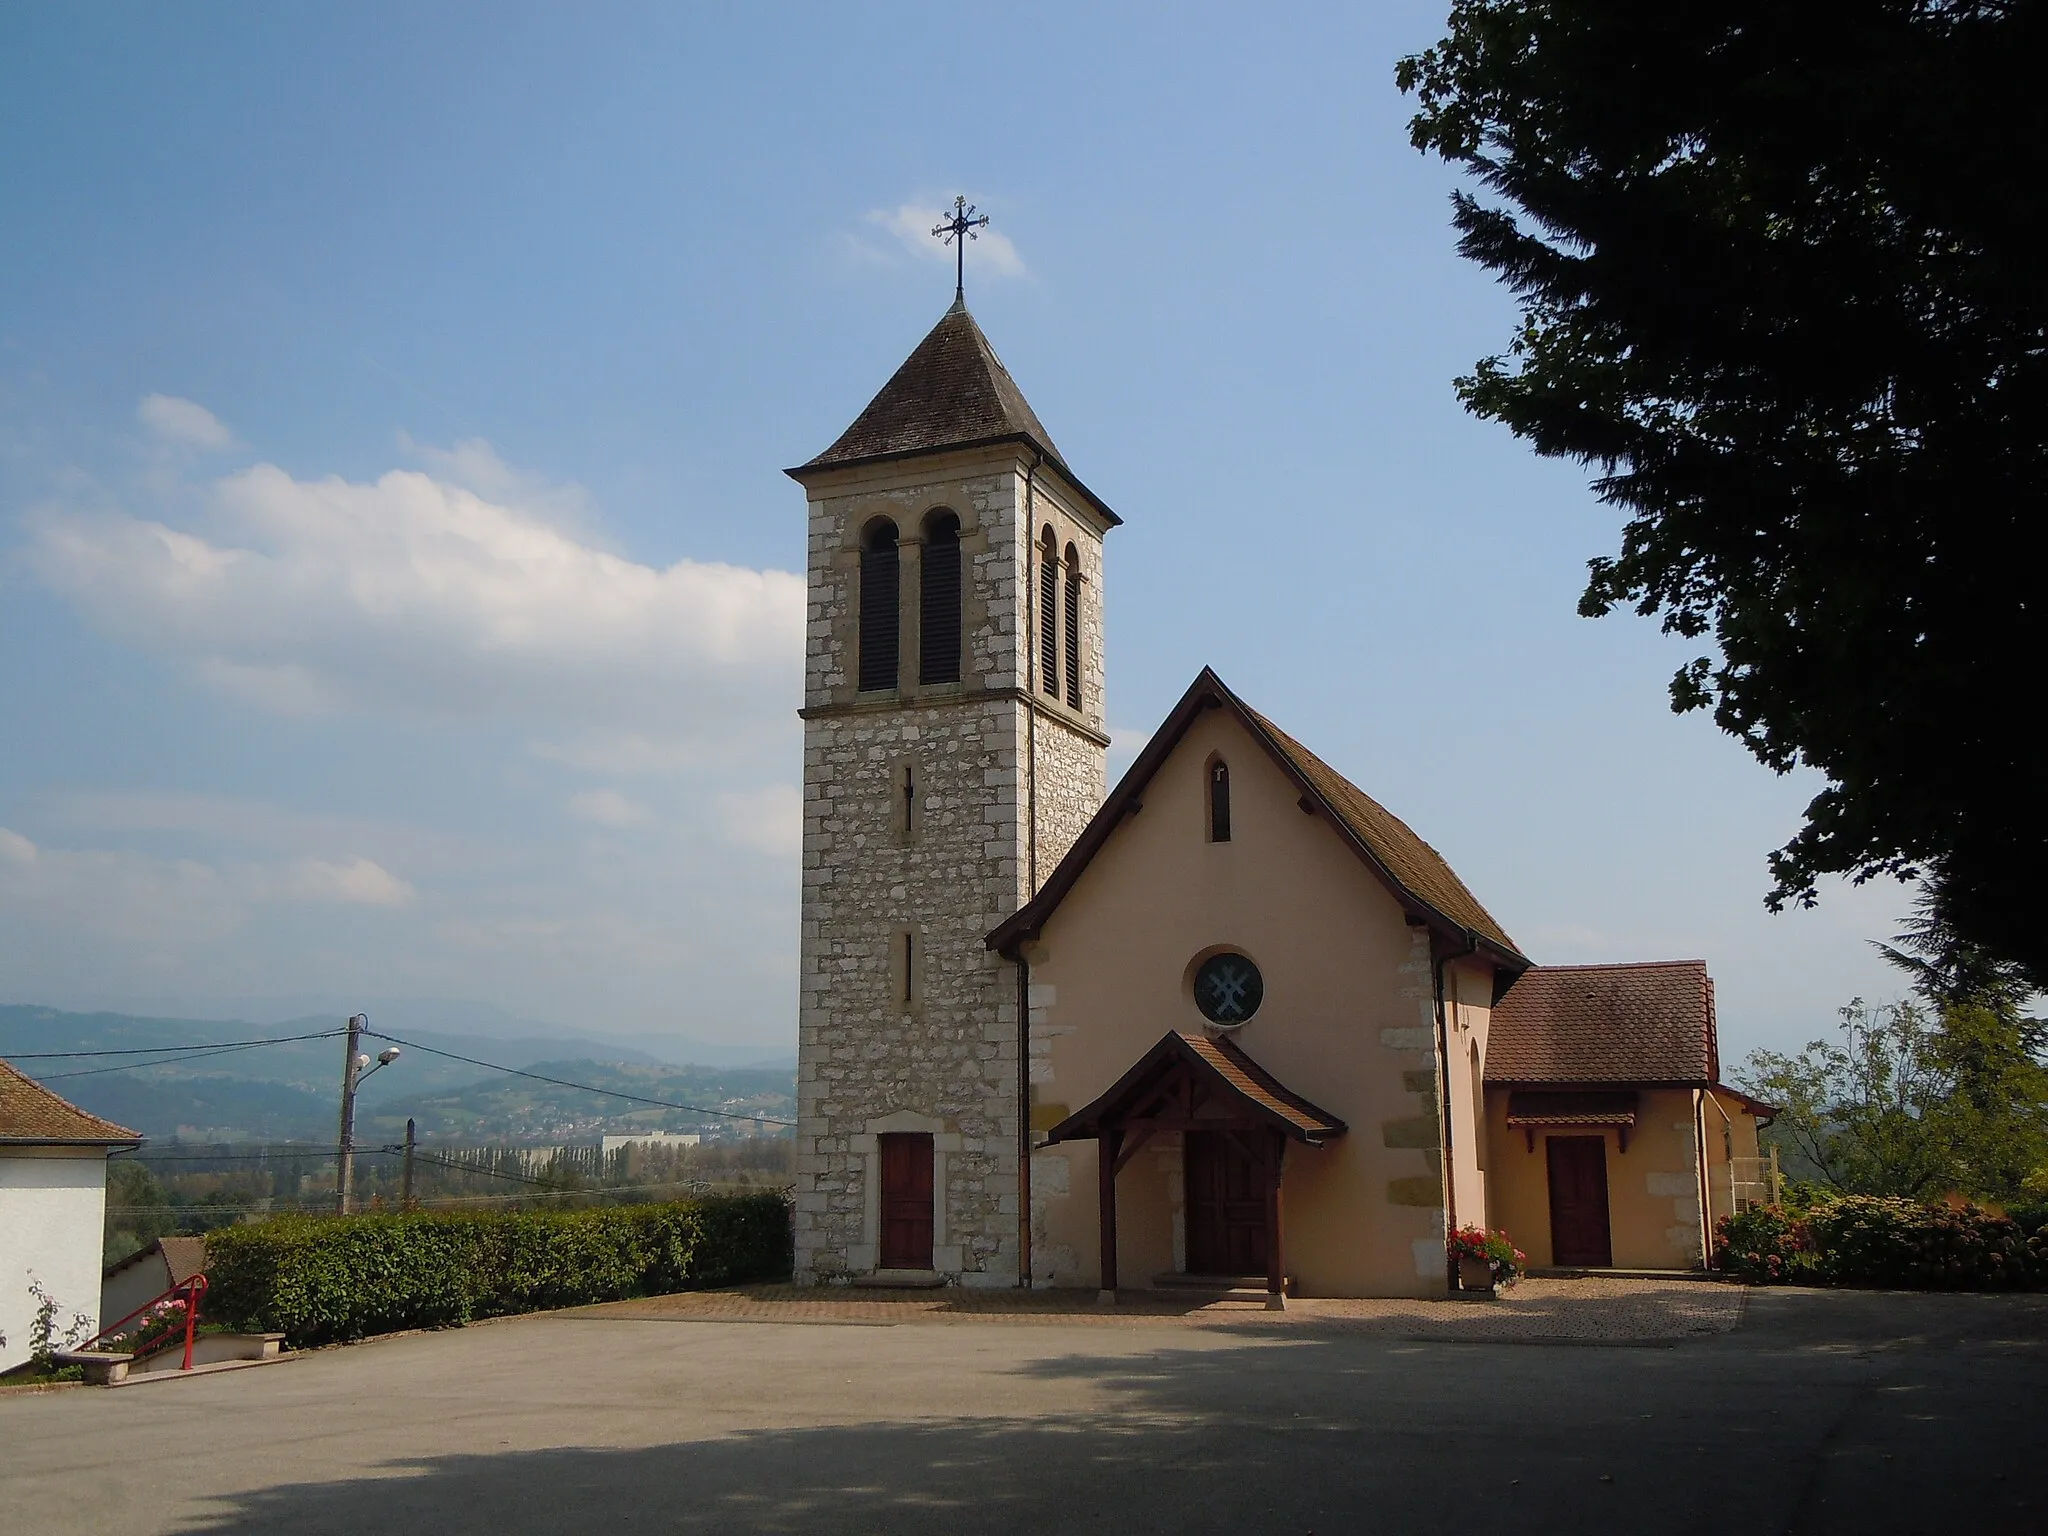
[1475,1275]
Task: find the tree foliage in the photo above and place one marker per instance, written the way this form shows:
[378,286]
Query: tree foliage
[1779,276]
[1911,1102]
[1944,1093]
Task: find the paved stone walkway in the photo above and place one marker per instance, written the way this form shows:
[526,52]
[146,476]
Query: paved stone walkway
[1594,1310]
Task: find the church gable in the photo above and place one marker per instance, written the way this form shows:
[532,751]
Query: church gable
[1214,912]
[1411,871]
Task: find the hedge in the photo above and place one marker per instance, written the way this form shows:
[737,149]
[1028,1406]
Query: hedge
[1885,1241]
[318,1279]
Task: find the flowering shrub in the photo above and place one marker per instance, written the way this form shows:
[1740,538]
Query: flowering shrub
[1883,1240]
[1764,1245]
[163,1321]
[1494,1249]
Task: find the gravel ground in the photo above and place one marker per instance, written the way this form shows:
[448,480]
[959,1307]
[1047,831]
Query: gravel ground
[1821,1412]
[1591,1311]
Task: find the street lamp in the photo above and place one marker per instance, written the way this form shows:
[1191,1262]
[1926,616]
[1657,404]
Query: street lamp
[355,1066]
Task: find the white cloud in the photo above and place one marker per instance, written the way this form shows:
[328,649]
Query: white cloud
[476,466]
[606,807]
[768,819]
[416,595]
[124,898]
[358,883]
[991,253]
[183,421]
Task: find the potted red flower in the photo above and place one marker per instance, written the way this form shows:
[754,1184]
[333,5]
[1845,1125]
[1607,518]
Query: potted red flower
[1487,1261]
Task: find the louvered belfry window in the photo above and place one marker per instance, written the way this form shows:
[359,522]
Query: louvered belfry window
[939,601]
[1048,614]
[1073,618]
[878,603]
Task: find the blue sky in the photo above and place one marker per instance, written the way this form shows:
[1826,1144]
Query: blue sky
[396,567]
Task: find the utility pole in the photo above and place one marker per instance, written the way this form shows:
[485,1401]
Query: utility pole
[405,1184]
[351,1065]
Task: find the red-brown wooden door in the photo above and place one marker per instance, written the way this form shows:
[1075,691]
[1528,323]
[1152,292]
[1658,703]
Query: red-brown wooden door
[1226,1206]
[906,1200]
[1578,1202]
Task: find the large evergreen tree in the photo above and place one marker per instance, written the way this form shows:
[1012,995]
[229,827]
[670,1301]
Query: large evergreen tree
[1781,270]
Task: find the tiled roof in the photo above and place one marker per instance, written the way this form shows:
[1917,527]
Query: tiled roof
[1221,1060]
[1261,1086]
[1650,1022]
[1415,865]
[1415,872]
[1536,1107]
[30,1113]
[183,1257]
[951,391]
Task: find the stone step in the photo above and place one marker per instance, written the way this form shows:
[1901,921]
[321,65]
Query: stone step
[1215,1285]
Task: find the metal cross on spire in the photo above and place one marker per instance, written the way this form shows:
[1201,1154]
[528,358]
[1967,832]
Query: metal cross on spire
[956,232]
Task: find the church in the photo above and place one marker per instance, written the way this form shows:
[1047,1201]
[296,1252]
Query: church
[1231,1025]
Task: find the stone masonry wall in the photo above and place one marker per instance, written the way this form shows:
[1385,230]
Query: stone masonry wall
[1071,767]
[939,1041]
[931,1045]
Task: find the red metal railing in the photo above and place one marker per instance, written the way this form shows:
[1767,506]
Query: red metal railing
[189,1291]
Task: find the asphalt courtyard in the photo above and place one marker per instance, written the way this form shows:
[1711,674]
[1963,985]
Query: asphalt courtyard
[1564,1410]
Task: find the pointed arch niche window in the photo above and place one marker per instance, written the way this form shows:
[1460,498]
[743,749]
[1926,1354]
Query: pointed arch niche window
[1219,800]
[878,604]
[1073,617]
[939,600]
[1048,612]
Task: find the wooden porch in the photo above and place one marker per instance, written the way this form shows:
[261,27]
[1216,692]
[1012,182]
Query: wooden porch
[1236,1121]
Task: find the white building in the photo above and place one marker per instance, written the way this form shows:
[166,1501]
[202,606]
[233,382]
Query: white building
[53,1207]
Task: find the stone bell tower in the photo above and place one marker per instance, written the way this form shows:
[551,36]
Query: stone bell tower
[953,750]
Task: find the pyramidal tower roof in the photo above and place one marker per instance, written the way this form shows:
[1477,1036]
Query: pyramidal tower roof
[951,392]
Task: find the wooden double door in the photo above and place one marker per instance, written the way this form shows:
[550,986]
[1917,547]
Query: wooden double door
[1225,1205]
[1579,1231]
[906,1236]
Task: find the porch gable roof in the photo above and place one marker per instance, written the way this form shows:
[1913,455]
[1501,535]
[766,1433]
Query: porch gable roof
[1217,1063]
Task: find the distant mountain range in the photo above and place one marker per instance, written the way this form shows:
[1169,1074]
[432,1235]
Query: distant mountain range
[290,1091]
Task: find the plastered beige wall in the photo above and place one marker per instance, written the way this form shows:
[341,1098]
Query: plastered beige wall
[1468,995]
[1734,1170]
[1347,1020]
[1653,1196]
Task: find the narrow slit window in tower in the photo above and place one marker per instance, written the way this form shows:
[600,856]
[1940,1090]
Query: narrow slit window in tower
[1219,801]
[1048,614]
[939,601]
[878,602]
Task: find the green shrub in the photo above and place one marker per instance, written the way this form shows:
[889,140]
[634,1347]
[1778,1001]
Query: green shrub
[1764,1245]
[1882,1240]
[2030,1217]
[317,1279]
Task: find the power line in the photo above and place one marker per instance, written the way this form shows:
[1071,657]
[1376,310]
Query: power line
[152,1050]
[130,1066]
[559,1082]
[220,1157]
